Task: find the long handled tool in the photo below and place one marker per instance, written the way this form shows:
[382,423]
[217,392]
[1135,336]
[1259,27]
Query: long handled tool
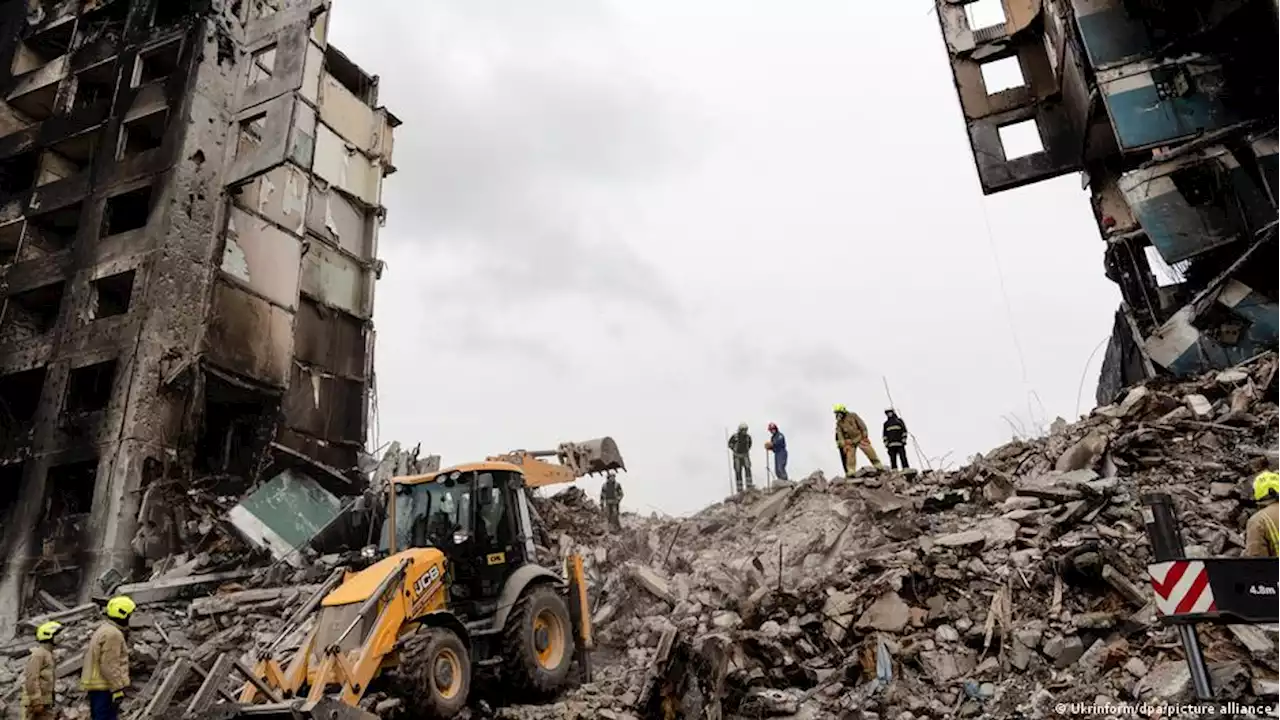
[920,455]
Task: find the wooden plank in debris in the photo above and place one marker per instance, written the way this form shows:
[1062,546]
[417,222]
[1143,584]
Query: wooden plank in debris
[1123,585]
[51,601]
[62,615]
[212,685]
[161,590]
[1050,494]
[173,682]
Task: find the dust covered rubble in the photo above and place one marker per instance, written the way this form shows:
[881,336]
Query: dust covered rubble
[989,591]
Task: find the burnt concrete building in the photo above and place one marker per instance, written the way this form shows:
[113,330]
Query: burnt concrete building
[1168,110]
[189,205]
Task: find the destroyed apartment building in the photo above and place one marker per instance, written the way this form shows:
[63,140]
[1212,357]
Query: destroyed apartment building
[189,205]
[1169,112]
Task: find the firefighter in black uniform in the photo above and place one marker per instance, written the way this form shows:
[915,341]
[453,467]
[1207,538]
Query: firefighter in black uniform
[895,439]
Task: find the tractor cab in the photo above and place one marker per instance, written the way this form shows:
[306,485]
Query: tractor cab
[478,516]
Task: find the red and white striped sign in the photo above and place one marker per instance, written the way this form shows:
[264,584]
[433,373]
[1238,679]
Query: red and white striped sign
[1182,587]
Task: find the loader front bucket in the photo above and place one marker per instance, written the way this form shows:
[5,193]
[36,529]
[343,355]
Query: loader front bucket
[592,456]
[325,709]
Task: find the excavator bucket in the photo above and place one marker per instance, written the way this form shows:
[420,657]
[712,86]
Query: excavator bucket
[591,456]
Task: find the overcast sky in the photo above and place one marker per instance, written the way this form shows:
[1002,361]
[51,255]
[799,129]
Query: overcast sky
[657,219]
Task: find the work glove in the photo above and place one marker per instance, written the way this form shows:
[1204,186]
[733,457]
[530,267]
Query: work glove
[117,698]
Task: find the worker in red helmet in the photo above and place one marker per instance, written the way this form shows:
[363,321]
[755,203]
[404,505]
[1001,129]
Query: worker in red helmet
[777,442]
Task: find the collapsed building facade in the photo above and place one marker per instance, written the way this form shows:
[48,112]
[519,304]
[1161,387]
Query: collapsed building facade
[189,204]
[1169,112]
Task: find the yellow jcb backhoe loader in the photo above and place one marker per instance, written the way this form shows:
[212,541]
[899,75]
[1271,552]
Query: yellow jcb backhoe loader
[465,593]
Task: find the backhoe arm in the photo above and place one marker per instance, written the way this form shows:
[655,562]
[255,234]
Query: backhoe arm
[575,460]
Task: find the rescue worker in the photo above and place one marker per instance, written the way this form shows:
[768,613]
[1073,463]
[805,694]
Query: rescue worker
[611,499]
[1261,531]
[740,446]
[851,436]
[778,444]
[106,661]
[38,675]
[895,439]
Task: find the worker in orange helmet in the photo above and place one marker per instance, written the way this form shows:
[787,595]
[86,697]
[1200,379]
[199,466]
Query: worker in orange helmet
[777,442]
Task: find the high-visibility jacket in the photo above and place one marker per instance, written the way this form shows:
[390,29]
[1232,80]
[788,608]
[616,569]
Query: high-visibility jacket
[1260,534]
[106,660]
[895,432]
[37,679]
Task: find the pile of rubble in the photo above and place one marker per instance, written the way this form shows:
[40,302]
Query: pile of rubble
[989,591]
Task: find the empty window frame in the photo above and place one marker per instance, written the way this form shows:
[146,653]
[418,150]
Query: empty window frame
[142,134]
[111,295]
[89,387]
[1020,139]
[40,49]
[249,136]
[262,64]
[36,309]
[126,211]
[156,63]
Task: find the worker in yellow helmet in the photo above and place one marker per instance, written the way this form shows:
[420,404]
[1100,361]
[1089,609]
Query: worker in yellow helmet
[38,675]
[1261,530]
[852,436]
[106,661]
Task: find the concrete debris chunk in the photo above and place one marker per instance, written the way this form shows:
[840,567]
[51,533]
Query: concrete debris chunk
[1199,405]
[888,613]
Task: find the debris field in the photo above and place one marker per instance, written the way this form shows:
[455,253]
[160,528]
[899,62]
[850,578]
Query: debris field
[991,591]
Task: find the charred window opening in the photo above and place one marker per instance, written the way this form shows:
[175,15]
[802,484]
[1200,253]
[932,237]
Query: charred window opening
[142,134]
[10,242]
[126,211]
[1197,184]
[20,398]
[168,12]
[1003,74]
[18,172]
[10,487]
[111,295]
[156,63]
[42,48]
[68,502]
[89,387]
[55,166]
[262,65]
[79,148]
[232,422]
[34,310]
[51,232]
[350,75]
[95,86]
[250,135]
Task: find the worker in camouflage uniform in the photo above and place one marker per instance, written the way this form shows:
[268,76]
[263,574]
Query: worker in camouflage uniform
[610,500]
[1261,534]
[851,436]
[38,676]
[740,446]
[895,439]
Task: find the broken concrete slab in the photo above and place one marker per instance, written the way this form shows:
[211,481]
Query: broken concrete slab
[1198,404]
[882,502]
[652,582]
[889,613]
[964,538]
[768,508]
[161,590]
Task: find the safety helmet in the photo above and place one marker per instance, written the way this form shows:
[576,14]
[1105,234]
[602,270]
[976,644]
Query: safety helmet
[888,411]
[46,631]
[1267,483]
[773,427]
[742,426]
[840,408]
[121,607]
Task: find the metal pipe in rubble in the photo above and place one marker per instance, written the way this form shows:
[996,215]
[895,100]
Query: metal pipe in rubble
[1166,544]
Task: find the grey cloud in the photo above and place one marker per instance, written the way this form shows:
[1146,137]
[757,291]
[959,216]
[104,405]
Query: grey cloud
[514,142]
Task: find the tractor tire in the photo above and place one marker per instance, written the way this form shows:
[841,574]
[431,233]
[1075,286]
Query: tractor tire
[539,643]
[439,668]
